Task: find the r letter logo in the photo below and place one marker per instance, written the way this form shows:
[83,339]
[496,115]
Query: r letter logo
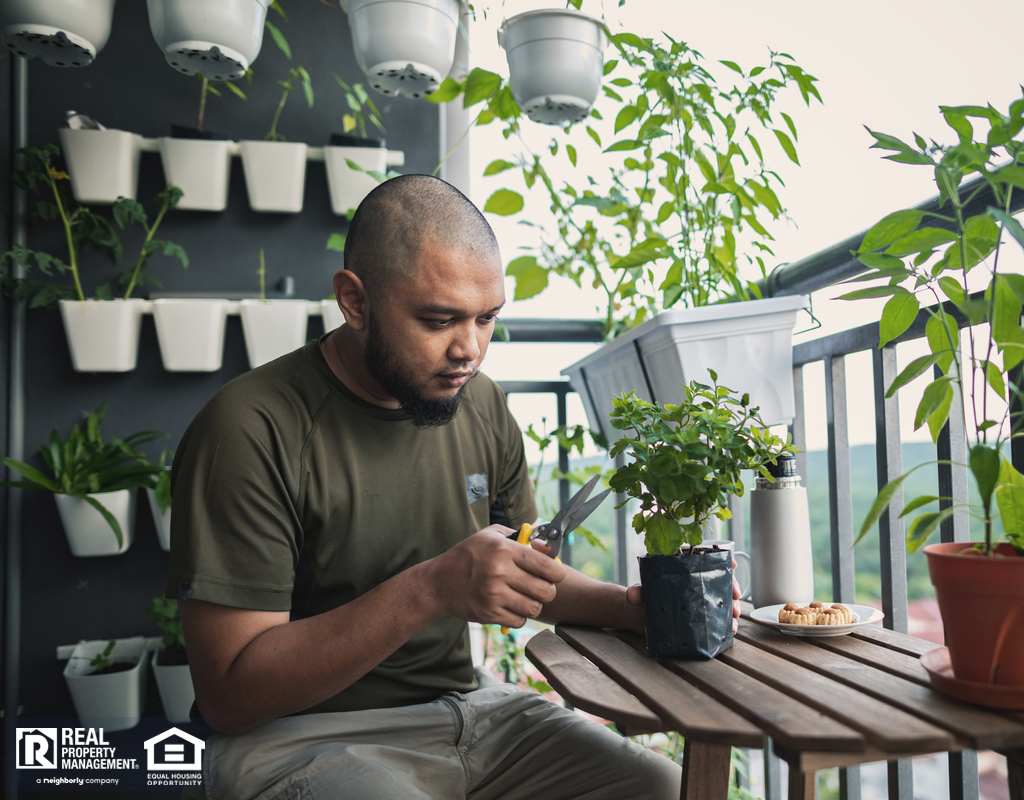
[37,748]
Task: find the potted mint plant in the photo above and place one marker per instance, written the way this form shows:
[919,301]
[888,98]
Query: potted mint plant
[686,463]
[914,262]
[93,483]
[170,661]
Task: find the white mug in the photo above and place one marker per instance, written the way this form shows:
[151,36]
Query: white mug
[742,562]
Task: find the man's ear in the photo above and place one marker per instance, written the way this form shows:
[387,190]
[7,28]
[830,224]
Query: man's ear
[351,297]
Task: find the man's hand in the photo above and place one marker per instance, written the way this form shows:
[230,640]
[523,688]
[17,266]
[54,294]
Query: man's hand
[490,578]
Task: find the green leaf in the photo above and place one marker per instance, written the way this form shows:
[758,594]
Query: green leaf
[917,502]
[336,242]
[504,202]
[888,290]
[914,369]
[985,466]
[571,152]
[625,144]
[937,419]
[952,289]
[663,535]
[924,526]
[941,330]
[919,241]
[904,153]
[733,66]
[1006,327]
[933,397]
[626,116]
[994,377]
[279,39]
[1010,498]
[531,278]
[32,474]
[594,135]
[498,165]
[885,496]
[115,526]
[898,315]
[787,145]
[448,90]
[890,228]
[480,85]
[1009,223]
[881,261]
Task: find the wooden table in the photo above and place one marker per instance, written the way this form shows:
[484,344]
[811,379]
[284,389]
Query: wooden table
[825,703]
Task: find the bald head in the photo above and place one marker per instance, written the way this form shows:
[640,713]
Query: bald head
[394,219]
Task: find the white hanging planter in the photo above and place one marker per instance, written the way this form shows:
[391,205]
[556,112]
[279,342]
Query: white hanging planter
[272,328]
[404,47]
[103,164]
[63,33]
[219,39]
[161,520]
[201,168]
[749,345]
[331,314]
[113,701]
[348,187]
[275,175]
[555,62]
[174,683]
[88,532]
[103,335]
[191,333]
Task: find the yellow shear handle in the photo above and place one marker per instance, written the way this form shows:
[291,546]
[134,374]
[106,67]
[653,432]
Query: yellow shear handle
[524,538]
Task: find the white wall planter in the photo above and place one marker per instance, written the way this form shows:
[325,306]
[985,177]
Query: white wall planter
[201,168]
[555,61]
[103,164]
[63,33]
[348,186]
[749,345]
[219,39]
[103,335]
[115,701]
[331,314]
[174,682]
[162,521]
[88,532]
[275,175]
[404,46]
[191,333]
[272,328]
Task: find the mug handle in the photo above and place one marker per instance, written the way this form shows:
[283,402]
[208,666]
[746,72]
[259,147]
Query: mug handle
[738,556]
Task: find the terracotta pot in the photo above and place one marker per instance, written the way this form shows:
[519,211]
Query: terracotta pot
[982,604]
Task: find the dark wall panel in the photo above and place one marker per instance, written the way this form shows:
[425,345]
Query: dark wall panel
[131,87]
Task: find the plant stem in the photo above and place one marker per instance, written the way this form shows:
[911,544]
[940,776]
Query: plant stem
[72,255]
[143,255]
[272,136]
[202,103]
[262,272]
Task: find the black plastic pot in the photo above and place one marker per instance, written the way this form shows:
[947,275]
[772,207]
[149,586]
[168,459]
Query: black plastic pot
[344,140]
[688,604]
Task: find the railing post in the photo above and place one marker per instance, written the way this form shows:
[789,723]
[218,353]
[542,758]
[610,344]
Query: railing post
[952,446]
[563,465]
[840,492]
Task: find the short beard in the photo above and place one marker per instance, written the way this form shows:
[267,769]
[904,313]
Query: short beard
[386,369]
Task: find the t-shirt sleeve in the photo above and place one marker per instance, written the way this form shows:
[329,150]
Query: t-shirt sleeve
[235,533]
[515,489]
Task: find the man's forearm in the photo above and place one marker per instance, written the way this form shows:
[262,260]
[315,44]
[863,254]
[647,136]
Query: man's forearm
[582,600]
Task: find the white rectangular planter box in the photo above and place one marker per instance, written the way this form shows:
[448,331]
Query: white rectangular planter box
[191,333]
[331,314]
[174,682]
[103,335]
[113,702]
[275,175]
[201,168]
[348,187]
[272,328]
[749,345]
[103,165]
[162,521]
[88,532]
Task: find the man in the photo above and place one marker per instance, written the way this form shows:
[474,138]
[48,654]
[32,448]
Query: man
[340,513]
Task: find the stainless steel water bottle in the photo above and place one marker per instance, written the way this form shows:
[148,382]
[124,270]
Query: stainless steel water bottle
[780,538]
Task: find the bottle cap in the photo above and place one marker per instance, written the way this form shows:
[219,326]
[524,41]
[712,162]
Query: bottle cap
[784,467]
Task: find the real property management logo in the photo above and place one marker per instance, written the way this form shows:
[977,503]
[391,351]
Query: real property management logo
[37,748]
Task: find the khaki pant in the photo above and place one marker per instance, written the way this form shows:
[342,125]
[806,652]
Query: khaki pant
[495,742]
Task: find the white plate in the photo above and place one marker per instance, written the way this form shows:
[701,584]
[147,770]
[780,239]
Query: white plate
[769,616]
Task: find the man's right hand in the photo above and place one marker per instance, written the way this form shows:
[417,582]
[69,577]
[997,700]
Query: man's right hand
[490,578]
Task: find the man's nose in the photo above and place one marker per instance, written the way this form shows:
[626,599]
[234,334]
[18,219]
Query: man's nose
[465,346]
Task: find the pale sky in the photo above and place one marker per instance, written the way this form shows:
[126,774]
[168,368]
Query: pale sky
[888,65]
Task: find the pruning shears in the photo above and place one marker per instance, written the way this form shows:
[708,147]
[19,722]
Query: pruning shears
[565,522]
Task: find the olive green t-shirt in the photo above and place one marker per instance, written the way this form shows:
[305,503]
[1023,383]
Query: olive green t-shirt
[290,493]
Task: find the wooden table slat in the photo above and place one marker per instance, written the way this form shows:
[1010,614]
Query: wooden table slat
[882,725]
[899,642]
[982,729]
[899,664]
[585,686]
[686,708]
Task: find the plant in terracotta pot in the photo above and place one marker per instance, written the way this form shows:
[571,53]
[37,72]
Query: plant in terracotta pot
[913,261]
[686,463]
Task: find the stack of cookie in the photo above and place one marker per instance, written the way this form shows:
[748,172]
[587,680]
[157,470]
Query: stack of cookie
[815,613]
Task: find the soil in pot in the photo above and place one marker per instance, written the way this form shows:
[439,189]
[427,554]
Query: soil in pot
[172,657]
[116,666]
[344,140]
[688,603]
[185,132]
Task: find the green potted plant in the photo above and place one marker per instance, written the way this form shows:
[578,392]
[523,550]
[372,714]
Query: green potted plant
[663,218]
[914,263]
[686,463]
[170,661]
[159,495]
[93,484]
[107,682]
[355,162]
[271,327]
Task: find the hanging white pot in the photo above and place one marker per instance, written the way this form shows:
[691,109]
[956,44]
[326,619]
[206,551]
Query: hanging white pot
[272,328]
[555,62]
[749,345]
[201,168]
[63,33]
[162,521]
[174,683]
[103,164]
[348,186]
[331,314]
[219,39]
[103,335]
[191,333]
[88,532]
[275,175]
[112,701]
[404,47]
